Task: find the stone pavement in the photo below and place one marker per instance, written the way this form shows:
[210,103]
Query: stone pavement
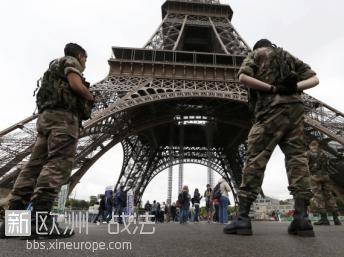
[270,239]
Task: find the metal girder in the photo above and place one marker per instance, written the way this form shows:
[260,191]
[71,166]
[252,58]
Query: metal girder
[170,31]
[161,164]
[87,163]
[324,119]
[228,36]
[16,142]
[9,164]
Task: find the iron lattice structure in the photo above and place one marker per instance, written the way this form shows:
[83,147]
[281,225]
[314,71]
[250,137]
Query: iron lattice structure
[176,100]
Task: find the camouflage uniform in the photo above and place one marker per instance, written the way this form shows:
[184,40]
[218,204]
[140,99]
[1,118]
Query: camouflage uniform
[278,121]
[51,161]
[323,198]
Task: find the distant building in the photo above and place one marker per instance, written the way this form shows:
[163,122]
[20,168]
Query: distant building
[263,208]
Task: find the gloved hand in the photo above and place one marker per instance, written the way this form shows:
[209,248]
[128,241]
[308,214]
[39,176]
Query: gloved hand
[289,84]
[287,87]
[282,90]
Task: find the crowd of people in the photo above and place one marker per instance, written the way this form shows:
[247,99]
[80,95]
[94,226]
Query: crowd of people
[187,207]
[112,204]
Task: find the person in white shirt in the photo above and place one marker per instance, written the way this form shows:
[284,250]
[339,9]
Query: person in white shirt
[224,201]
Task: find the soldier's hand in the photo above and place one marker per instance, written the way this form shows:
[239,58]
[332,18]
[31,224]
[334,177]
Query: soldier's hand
[285,90]
[288,85]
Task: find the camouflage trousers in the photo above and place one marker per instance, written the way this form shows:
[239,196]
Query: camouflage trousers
[282,126]
[51,160]
[323,199]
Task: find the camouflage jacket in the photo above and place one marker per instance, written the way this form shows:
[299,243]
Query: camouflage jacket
[318,163]
[263,65]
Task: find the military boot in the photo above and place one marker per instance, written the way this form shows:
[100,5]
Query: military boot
[13,205]
[241,224]
[323,219]
[301,225]
[335,218]
[44,225]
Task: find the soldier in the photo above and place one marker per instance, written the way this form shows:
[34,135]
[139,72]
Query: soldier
[63,101]
[275,79]
[323,198]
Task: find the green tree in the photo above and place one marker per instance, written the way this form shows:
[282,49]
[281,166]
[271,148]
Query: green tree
[77,204]
[93,200]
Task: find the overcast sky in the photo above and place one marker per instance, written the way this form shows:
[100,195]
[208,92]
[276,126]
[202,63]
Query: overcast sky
[33,32]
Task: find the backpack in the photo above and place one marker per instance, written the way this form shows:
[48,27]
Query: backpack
[287,75]
[53,92]
[217,192]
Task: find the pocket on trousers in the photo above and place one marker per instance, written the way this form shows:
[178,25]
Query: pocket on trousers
[256,137]
[62,144]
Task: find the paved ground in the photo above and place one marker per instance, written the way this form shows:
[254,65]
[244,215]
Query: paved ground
[270,239]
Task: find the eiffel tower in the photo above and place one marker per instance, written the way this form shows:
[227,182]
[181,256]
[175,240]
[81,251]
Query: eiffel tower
[176,100]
